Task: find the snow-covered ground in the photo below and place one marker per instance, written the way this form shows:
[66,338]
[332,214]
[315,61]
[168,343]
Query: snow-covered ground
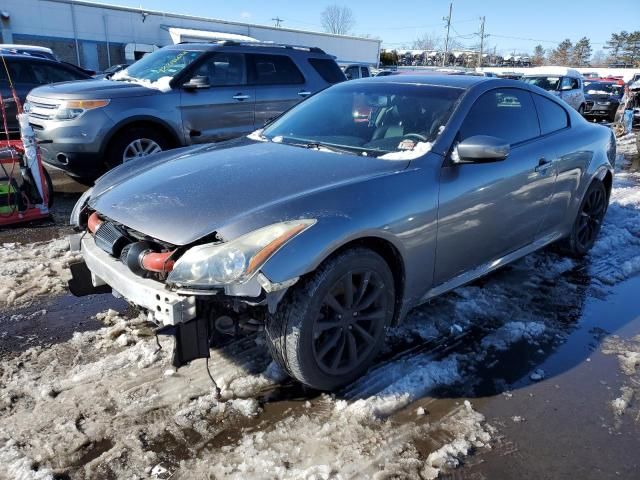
[33,269]
[108,404]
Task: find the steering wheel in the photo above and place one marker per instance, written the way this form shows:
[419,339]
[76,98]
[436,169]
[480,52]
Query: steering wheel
[413,136]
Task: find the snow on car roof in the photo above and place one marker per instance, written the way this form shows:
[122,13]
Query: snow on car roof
[553,70]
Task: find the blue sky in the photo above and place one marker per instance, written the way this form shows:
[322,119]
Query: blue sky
[512,25]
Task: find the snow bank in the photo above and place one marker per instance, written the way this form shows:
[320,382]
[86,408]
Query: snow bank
[30,270]
[513,332]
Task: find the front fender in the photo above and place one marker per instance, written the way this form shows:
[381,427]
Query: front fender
[304,253]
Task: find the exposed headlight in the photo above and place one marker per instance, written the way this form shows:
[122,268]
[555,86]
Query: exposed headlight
[77,209]
[71,109]
[235,261]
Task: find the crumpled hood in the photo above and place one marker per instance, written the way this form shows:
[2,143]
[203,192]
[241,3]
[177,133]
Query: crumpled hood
[92,89]
[182,195]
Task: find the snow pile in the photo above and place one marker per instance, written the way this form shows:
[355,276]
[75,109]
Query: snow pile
[628,354]
[18,467]
[33,269]
[513,332]
[616,254]
[467,425]
[397,384]
[336,445]
[97,406]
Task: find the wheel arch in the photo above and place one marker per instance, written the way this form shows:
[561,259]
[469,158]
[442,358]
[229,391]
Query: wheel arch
[142,121]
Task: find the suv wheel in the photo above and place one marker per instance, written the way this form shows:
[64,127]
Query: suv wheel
[330,327]
[135,143]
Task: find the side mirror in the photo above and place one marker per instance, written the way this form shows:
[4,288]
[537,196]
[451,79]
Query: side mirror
[197,82]
[482,149]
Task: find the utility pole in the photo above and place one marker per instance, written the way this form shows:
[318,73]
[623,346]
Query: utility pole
[446,43]
[481,41]
[278,21]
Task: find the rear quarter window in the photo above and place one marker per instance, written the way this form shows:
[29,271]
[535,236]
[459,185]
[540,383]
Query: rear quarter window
[328,70]
[274,70]
[552,116]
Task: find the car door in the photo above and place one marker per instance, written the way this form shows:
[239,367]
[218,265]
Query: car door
[278,84]
[220,105]
[487,210]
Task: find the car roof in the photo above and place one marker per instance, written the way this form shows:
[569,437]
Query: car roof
[437,79]
[259,46]
[27,58]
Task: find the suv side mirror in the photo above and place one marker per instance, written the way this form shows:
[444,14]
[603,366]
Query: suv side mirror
[197,82]
[482,149]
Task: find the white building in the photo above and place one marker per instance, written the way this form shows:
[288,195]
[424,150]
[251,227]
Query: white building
[96,35]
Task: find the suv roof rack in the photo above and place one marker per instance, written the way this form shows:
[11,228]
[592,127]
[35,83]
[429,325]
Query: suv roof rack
[235,43]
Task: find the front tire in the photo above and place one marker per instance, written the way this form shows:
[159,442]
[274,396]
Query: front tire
[329,328]
[588,221]
[133,144]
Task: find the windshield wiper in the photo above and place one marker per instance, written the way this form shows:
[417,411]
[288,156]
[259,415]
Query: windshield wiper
[315,145]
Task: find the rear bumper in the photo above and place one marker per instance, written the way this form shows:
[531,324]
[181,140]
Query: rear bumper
[168,308]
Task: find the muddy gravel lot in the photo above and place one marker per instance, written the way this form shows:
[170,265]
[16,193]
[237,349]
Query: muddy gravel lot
[531,372]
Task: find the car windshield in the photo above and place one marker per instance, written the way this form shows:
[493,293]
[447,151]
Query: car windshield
[368,118]
[159,64]
[603,88]
[549,83]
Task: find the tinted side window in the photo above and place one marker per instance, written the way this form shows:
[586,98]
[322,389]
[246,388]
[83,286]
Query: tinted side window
[274,70]
[352,72]
[552,116]
[327,69]
[364,71]
[223,69]
[46,73]
[506,113]
[22,72]
[566,83]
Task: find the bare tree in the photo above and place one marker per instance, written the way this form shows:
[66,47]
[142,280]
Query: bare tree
[427,42]
[337,19]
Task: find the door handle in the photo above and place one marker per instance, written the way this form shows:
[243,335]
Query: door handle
[240,97]
[543,165]
[304,93]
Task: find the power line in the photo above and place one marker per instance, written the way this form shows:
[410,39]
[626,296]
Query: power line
[278,21]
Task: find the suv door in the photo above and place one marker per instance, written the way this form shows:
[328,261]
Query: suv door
[223,106]
[278,84]
[352,72]
[487,210]
[570,91]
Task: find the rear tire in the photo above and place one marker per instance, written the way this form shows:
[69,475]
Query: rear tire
[137,139]
[588,221]
[329,328]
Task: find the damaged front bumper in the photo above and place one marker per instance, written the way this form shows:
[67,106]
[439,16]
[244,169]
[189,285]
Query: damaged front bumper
[175,312]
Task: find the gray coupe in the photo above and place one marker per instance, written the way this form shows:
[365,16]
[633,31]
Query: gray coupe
[330,224]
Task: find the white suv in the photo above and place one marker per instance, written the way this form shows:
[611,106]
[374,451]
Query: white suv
[566,83]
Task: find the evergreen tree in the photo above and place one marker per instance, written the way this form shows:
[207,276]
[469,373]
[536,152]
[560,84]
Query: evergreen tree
[538,56]
[581,53]
[562,54]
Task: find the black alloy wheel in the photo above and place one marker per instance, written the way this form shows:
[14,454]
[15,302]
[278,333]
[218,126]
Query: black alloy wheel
[349,322]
